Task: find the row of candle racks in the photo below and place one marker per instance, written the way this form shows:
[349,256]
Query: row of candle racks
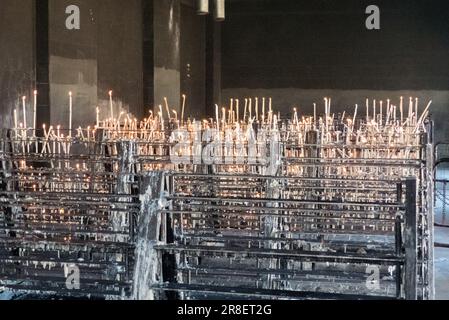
[310,183]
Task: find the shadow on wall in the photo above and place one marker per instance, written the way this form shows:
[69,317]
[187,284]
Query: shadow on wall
[284,100]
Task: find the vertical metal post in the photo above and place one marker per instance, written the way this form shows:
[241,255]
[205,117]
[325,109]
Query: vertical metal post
[410,268]
[398,242]
[430,213]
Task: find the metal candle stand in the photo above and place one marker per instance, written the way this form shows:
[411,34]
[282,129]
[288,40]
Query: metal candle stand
[137,225]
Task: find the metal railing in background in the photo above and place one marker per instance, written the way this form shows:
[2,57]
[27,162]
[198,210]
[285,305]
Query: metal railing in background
[441,183]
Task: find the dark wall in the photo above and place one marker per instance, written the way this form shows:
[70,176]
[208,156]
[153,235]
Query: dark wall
[299,51]
[193,60]
[17,73]
[325,44]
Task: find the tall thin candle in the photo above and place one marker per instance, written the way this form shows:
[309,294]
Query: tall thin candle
[246,110]
[35,113]
[263,109]
[183,108]
[24,112]
[217,117]
[237,107]
[98,117]
[70,113]
[111,105]
[167,108]
[257,109]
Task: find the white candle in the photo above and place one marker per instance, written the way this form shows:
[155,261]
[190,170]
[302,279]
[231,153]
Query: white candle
[111,105]
[183,108]
[257,109]
[217,116]
[416,109]
[381,112]
[246,110]
[231,111]
[24,112]
[167,108]
[314,115]
[35,112]
[263,109]
[237,109]
[70,113]
[367,111]
[174,112]
[250,108]
[98,117]
[59,138]
[355,116]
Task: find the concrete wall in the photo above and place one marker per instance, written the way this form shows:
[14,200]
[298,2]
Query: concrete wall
[16,57]
[105,54]
[193,60]
[119,52]
[300,51]
[167,33]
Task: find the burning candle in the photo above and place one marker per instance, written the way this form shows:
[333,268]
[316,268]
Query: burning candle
[161,115]
[355,116]
[24,112]
[381,111]
[98,117]
[176,115]
[223,110]
[167,108]
[183,108]
[246,110]
[237,109]
[35,113]
[416,108]
[367,110]
[231,111]
[263,110]
[257,109]
[410,108]
[70,113]
[217,116]
[111,104]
